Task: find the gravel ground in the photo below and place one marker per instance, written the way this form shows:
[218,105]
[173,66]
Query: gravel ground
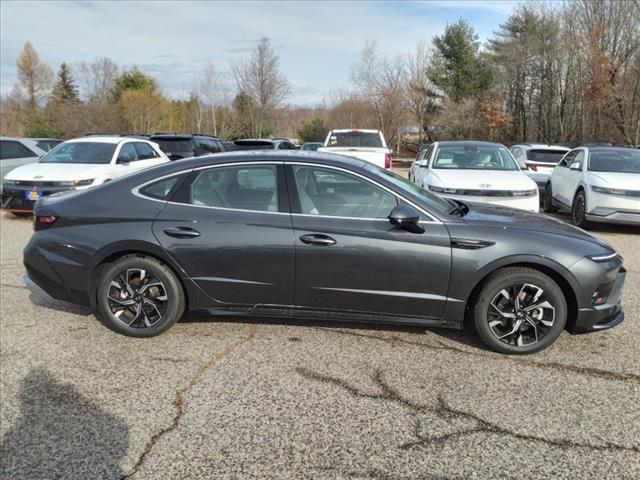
[229,398]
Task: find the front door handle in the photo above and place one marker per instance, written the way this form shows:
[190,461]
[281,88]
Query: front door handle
[182,232]
[317,239]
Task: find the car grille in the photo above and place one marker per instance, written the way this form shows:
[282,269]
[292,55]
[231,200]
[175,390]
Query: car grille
[496,193]
[33,183]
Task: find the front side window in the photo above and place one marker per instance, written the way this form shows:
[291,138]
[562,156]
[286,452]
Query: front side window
[474,157]
[145,152]
[10,149]
[623,160]
[577,160]
[128,153]
[568,158]
[250,187]
[81,152]
[332,193]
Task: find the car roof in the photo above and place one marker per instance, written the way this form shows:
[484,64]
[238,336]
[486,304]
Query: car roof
[542,146]
[171,136]
[355,130]
[468,143]
[103,139]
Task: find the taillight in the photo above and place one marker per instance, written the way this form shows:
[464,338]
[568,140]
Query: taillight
[531,166]
[43,221]
[387,160]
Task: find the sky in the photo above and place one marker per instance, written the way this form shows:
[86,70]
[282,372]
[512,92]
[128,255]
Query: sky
[174,41]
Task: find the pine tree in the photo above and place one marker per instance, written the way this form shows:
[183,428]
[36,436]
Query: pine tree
[65,88]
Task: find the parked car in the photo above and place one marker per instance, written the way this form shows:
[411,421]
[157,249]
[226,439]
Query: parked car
[310,146]
[15,152]
[264,144]
[44,144]
[475,172]
[229,146]
[313,236]
[178,146]
[537,161]
[77,164]
[367,145]
[596,184]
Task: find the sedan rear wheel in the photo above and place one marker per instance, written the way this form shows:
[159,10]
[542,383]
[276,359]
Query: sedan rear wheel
[520,310]
[139,297]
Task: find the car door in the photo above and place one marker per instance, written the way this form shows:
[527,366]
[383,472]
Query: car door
[350,258]
[229,228]
[559,178]
[573,175]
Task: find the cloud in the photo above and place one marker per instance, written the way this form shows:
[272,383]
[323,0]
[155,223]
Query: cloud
[174,41]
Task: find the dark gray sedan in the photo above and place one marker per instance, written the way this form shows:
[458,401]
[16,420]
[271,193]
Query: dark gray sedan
[297,234]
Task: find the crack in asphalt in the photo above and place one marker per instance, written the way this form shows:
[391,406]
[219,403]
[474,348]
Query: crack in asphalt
[443,410]
[178,402]
[10,285]
[562,367]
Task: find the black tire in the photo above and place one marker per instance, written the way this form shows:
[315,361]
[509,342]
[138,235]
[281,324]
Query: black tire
[579,210]
[534,324]
[547,201]
[137,306]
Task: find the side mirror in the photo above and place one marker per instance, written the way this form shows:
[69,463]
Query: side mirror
[123,161]
[575,166]
[405,217]
[424,165]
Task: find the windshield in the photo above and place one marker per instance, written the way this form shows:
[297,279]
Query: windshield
[622,160]
[177,145]
[81,152]
[355,139]
[404,185]
[311,146]
[474,157]
[546,156]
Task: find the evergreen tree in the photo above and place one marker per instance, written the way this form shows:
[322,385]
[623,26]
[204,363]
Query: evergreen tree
[65,89]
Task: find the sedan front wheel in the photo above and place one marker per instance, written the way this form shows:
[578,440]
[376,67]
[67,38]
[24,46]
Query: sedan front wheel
[519,311]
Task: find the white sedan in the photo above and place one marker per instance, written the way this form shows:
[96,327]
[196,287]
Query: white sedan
[475,172]
[597,184]
[75,164]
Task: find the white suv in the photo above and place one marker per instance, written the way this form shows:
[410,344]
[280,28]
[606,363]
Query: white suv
[537,161]
[75,164]
[596,184]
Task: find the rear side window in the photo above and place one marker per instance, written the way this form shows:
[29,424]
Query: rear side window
[10,149]
[162,189]
[128,153]
[251,187]
[145,152]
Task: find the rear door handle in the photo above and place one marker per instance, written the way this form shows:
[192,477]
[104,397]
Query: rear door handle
[317,239]
[182,232]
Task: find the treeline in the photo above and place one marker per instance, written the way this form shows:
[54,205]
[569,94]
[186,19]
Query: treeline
[556,72]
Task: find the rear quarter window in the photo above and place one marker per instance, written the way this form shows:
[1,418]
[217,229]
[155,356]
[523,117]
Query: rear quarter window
[162,189]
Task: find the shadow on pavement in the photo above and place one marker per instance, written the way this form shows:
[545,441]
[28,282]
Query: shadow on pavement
[59,434]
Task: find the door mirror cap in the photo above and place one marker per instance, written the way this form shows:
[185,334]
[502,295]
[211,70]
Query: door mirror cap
[406,217]
[123,161]
[575,166]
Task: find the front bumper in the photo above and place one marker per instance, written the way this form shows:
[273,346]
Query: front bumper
[605,316]
[608,216]
[14,198]
[530,203]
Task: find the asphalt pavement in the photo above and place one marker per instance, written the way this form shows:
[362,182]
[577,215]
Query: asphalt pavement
[248,398]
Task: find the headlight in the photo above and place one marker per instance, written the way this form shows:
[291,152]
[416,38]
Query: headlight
[83,183]
[524,193]
[433,188]
[603,257]
[610,191]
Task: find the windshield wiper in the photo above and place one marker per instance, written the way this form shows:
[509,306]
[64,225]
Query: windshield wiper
[460,208]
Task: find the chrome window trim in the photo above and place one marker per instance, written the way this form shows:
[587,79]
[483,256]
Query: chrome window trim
[136,190]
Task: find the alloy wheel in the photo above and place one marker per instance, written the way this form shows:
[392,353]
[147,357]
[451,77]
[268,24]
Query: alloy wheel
[578,210]
[137,298]
[521,315]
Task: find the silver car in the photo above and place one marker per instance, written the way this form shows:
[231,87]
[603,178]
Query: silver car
[15,152]
[538,160]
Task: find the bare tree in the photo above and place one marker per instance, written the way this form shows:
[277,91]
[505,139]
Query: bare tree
[260,78]
[424,98]
[34,76]
[97,78]
[211,89]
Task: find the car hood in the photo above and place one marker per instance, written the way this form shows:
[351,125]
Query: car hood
[624,181]
[482,214]
[52,172]
[482,179]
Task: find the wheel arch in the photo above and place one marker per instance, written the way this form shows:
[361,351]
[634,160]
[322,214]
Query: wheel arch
[563,279]
[118,251]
